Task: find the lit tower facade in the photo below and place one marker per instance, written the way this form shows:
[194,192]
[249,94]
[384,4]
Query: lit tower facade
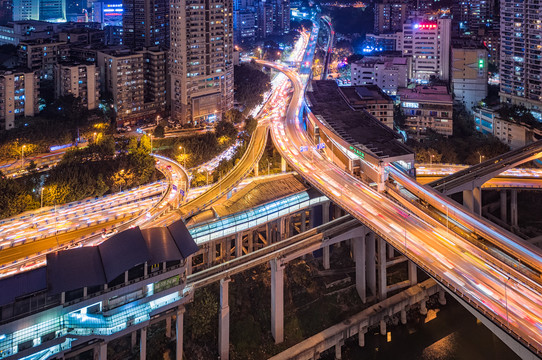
[201,59]
[521,54]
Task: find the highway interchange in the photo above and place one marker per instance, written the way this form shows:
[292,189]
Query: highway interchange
[504,294]
[500,291]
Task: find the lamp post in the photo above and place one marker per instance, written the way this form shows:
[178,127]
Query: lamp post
[431,160]
[121,173]
[481,157]
[22,156]
[94,138]
[184,155]
[41,196]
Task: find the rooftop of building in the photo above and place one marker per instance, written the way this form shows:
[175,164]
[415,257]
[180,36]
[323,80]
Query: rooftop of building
[35,23]
[17,70]
[467,43]
[363,93]
[121,50]
[438,93]
[384,58]
[359,128]
[42,41]
[81,30]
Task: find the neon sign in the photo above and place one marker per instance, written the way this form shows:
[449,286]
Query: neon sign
[425,26]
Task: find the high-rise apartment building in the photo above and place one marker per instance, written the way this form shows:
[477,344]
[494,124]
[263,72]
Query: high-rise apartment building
[390,15]
[137,82]
[469,72]
[244,26]
[265,19]
[52,10]
[46,10]
[387,72]
[79,80]
[43,55]
[470,15]
[428,43]
[201,59]
[19,95]
[145,23]
[521,52]
[427,108]
[281,17]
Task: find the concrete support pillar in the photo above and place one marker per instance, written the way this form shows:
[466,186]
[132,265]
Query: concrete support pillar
[311,218]
[383,327]
[168,327]
[282,164]
[338,353]
[211,253]
[238,244]
[504,206]
[250,240]
[179,333]
[269,233]
[101,352]
[412,273]
[188,265]
[143,344]
[134,339]
[256,169]
[423,307]
[391,251]
[277,300]
[403,316]
[325,257]
[382,282]
[303,225]
[472,199]
[85,291]
[145,269]
[224,321]
[325,212]
[371,262]
[281,228]
[62,297]
[359,258]
[361,337]
[126,277]
[442,297]
[514,208]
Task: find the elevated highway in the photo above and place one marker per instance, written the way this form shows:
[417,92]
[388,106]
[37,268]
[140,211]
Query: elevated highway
[520,178]
[499,291]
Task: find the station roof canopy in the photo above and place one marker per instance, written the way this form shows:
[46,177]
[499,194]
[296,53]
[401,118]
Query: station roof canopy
[73,269]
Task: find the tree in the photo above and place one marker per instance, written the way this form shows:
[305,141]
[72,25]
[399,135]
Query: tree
[250,85]
[250,124]
[159,131]
[233,116]
[145,144]
[225,128]
[201,321]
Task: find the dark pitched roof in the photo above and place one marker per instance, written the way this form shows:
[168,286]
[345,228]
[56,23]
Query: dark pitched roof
[22,284]
[74,269]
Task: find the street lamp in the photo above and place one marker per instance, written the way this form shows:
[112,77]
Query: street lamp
[431,160]
[41,196]
[94,138]
[481,157]
[184,155]
[22,156]
[121,173]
